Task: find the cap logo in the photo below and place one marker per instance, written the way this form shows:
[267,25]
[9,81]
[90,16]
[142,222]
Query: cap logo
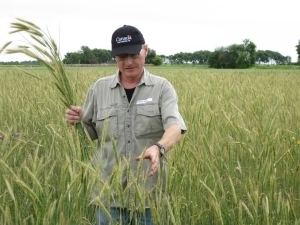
[125,39]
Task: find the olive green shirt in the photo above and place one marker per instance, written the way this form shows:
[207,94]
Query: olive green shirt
[125,129]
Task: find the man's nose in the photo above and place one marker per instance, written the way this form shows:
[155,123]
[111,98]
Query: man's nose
[129,59]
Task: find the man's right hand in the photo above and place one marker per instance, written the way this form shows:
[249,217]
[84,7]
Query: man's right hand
[73,114]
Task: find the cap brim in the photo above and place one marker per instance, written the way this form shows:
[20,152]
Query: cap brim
[132,49]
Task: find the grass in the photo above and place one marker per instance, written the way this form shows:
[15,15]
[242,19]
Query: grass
[238,164]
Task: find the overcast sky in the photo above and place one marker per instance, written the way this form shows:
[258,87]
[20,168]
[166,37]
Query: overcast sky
[169,26]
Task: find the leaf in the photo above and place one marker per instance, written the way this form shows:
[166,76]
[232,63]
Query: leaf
[5,46]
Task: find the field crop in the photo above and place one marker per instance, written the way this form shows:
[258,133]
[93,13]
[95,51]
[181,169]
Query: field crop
[239,162]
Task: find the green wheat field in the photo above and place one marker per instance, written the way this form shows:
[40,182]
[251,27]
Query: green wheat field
[239,162]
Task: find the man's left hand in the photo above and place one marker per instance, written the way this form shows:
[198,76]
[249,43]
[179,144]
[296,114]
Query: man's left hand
[152,153]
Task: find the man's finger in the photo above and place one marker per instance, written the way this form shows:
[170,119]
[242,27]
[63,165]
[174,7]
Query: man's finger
[142,157]
[72,120]
[71,113]
[139,158]
[153,169]
[75,108]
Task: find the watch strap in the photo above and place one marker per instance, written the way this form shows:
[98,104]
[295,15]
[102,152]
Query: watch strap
[162,149]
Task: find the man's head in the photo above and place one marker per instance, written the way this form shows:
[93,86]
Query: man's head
[129,50]
[126,40]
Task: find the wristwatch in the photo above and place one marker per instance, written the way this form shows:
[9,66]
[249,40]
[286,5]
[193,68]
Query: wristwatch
[162,149]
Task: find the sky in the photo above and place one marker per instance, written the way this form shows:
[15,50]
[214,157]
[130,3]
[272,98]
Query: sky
[168,26]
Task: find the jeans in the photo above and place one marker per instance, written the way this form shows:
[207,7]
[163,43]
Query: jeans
[122,216]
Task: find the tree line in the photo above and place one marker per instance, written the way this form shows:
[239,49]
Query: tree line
[102,56]
[242,55]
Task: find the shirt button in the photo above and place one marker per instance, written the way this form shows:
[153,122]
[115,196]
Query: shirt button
[128,142]
[128,125]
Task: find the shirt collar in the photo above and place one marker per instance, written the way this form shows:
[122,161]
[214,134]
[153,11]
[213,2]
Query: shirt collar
[146,79]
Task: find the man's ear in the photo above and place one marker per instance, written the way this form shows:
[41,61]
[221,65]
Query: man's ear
[146,49]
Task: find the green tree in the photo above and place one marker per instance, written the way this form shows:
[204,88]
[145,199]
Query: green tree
[298,51]
[88,56]
[220,58]
[102,55]
[157,61]
[277,57]
[150,56]
[234,56]
[181,58]
[73,58]
[262,57]
[268,56]
[250,49]
[201,57]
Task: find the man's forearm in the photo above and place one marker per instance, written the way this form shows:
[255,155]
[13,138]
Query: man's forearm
[171,136]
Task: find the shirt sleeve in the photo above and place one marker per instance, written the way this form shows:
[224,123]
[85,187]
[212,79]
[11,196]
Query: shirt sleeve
[89,114]
[169,107]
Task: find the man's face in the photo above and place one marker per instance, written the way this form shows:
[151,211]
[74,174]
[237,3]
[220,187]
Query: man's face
[131,66]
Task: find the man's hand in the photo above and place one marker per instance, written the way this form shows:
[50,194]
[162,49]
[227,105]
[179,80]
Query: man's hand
[152,153]
[73,114]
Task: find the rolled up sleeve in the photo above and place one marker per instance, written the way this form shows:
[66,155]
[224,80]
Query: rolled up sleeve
[169,107]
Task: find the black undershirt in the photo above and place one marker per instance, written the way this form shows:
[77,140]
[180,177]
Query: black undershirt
[129,93]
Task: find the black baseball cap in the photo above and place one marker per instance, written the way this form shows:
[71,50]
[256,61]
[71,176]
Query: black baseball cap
[126,40]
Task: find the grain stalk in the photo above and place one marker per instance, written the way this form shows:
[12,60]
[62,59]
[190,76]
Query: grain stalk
[40,46]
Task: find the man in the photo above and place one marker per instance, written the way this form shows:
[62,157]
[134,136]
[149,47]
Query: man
[132,111]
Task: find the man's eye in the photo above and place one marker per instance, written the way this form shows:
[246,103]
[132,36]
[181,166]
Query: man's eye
[128,56]
[123,56]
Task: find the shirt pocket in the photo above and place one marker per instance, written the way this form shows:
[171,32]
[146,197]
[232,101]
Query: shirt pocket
[148,121]
[107,124]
